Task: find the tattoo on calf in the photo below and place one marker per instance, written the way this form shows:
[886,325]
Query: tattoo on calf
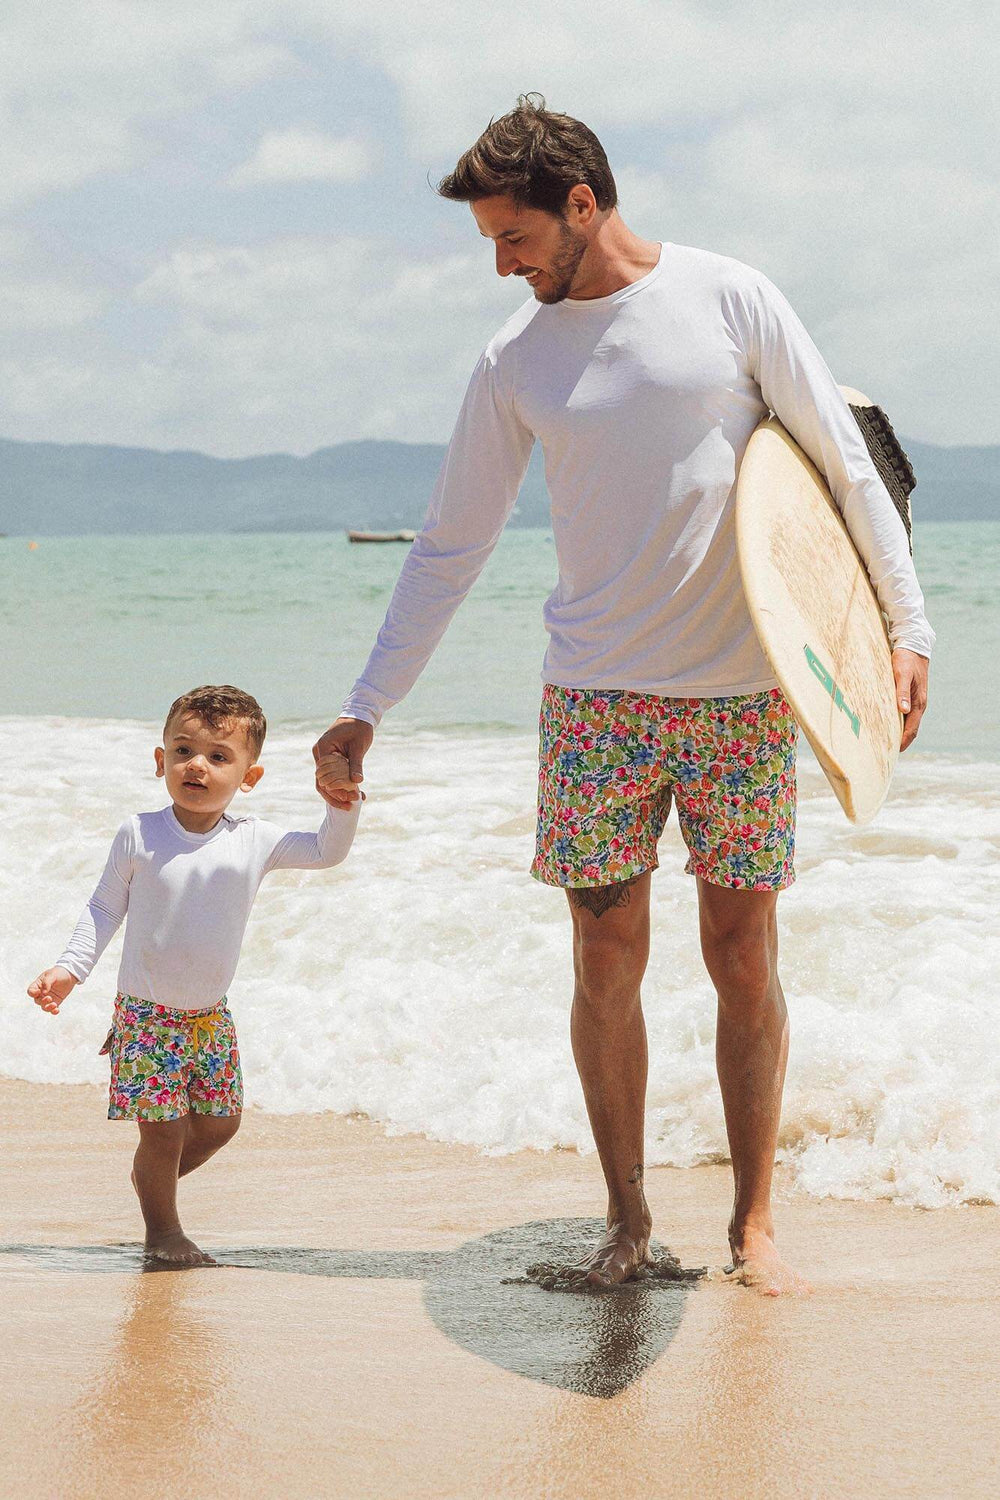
[597,899]
[637,1173]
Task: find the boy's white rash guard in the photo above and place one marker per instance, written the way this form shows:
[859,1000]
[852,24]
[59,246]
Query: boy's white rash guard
[644,402]
[188,897]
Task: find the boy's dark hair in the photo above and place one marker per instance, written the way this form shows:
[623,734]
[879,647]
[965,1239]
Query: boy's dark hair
[535,156]
[222,708]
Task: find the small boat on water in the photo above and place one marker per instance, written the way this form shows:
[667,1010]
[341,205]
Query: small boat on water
[381,536]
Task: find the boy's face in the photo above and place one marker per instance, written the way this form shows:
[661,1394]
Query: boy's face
[205,767]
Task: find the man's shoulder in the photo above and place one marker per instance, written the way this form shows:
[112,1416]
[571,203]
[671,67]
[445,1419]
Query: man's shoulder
[516,325]
[715,271]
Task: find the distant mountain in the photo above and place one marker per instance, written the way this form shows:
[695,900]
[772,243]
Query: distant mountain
[52,489]
[955,484]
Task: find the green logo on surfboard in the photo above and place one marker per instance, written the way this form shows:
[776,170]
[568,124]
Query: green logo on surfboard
[818,670]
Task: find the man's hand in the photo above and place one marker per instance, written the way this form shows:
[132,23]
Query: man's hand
[51,987]
[339,755]
[910,672]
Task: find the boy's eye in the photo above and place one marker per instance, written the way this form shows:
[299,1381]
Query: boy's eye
[219,757]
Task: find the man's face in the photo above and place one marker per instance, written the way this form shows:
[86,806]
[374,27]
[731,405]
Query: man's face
[529,242]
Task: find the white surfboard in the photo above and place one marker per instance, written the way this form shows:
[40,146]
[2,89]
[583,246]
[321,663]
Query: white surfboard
[817,617]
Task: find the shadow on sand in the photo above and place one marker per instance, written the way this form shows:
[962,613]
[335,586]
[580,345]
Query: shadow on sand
[478,1295]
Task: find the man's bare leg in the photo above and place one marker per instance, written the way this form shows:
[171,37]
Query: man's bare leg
[739,940]
[610,949]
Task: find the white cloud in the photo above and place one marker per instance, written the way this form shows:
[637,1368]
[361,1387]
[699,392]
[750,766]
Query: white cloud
[81,80]
[847,149]
[301,155]
[291,344]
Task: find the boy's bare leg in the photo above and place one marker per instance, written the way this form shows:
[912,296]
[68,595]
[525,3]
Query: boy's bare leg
[206,1134]
[739,939]
[610,950]
[154,1176]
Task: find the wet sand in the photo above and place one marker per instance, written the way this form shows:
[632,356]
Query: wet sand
[366,1344]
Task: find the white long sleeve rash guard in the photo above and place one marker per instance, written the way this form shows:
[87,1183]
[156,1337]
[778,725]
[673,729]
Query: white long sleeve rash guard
[643,402]
[187,898]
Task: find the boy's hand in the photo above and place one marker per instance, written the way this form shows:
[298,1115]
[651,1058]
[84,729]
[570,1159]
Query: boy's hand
[50,989]
[339,755]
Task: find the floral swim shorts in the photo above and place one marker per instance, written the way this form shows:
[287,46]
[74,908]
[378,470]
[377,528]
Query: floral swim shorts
[166,1063]
[611,762]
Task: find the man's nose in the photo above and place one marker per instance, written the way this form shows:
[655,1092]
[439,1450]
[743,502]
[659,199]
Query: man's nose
[507,261]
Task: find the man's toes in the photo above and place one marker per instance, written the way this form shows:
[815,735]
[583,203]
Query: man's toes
[571,1273]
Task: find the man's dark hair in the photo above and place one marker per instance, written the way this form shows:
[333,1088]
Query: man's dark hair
[535,157]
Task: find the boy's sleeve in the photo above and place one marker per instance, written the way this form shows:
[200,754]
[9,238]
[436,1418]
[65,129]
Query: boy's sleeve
[105,911]
[311,851]
[799,388]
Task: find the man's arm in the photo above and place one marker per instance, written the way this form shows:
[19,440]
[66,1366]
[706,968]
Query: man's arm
[473,498]
[799,388]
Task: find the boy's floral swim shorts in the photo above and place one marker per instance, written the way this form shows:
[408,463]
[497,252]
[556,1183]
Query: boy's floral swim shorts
[611,762]
[166,1063]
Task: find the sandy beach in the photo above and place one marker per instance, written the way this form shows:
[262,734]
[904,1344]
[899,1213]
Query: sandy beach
[366,1344]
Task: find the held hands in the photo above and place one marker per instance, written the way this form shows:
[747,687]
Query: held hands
[51,987]
[339,755]
[910,672]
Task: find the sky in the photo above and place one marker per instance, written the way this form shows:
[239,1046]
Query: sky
[218,228]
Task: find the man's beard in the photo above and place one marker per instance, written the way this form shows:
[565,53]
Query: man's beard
[562,272]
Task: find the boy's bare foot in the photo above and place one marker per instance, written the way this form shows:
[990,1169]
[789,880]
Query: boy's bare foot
[616,1257]
[175,1251]
[757,1264]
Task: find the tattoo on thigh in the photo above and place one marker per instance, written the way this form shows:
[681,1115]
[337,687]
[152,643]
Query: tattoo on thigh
[597,899]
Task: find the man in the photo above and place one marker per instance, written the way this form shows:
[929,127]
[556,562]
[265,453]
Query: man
[642,369]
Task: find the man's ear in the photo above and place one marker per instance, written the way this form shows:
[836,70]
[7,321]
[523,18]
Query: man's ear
[158,753]
[251,778]
[581,205]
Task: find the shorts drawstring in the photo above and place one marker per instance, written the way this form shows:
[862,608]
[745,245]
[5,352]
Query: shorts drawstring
[206,1024]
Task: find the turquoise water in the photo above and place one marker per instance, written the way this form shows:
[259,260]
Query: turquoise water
[115,627]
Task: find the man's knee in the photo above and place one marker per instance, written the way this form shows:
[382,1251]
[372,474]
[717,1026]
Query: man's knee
[742,963]
[610,946]
[739,942]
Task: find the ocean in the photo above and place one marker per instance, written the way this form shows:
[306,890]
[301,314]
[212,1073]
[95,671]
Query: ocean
[426,983]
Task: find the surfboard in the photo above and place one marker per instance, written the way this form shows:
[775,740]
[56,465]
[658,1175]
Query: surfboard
[815,611]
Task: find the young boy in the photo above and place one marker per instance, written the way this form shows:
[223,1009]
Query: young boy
[187,877]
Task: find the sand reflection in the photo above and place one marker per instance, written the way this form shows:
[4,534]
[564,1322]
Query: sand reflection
[162,1394]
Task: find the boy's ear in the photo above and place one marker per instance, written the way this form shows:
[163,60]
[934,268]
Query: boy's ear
[251,778]
[158,752]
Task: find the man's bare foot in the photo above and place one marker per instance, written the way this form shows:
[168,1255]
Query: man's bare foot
[174,1251]
[616,1258]
[757,1264]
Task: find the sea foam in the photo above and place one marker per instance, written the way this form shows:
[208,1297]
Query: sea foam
[426,983]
